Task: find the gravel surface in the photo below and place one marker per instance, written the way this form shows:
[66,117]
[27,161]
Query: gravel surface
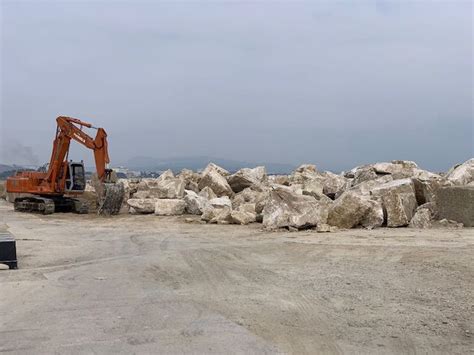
[148,284]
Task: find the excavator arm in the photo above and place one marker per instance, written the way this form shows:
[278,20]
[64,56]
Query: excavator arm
[71,128]
[45,192]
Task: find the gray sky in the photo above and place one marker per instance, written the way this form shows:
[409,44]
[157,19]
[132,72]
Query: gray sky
[333,84]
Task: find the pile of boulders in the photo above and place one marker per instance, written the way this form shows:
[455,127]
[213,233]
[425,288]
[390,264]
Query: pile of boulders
[392,194]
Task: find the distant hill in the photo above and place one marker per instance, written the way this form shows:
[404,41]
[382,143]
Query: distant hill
[199,162]
[8,170]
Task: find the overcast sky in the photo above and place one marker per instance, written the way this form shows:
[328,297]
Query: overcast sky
[333,84]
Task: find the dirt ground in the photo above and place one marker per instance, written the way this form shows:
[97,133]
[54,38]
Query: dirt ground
[147,284]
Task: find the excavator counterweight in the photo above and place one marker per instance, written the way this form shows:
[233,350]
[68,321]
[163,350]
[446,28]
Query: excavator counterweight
[45,191]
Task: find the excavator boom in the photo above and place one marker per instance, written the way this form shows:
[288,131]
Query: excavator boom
[63,176]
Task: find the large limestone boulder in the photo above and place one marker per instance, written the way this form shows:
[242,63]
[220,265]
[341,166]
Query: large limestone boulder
[165,186]
[456,203]
[284,208]
[215,167]
[399,169]
[249,195]
[190,178]
[399,201]
[212,211]
[207,193]
[172,188]
[462,174]
[141,194]
[426,188]
[279,179]
[130,186]
[195,204]
[304,173]
[220,202]
[169,207]
[246,178]
[312,188]
[363,174]
[216,182]
[142,205]
[350,209]
[168,174]
[333,184]
[222,215]
[306,168]
[365,187]
[424,216]
[245,214]
[375,216]
[189,175]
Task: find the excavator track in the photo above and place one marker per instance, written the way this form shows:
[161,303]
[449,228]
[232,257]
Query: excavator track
[44,205]
[34,204]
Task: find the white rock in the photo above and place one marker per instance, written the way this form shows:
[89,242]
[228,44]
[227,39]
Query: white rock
[212,212]
[421,219]
[399,200]
[462,174]
[364,188]
[304,173]
[279,179]
[246,178]
[142,194]
[399,168]
[221,202]
[168,174]
[215,167]
[169,207]
[247,207]
[374,217]
[216,182]
[222,215]
[304,168]
[284,208]
[166,186]
[243,217]
[349,210]
[207,193]
[362,174]
[312,188]
[190,179]
[334,185]
[142,205]
[195,204]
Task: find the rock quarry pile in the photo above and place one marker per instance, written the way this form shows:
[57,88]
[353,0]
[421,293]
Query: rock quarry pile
[392,194]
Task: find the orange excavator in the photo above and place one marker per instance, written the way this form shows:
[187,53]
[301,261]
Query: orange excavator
[56,188]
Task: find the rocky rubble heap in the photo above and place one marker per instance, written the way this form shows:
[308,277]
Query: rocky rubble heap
[392,194]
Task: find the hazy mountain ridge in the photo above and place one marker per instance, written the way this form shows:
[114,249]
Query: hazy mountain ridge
[144,163]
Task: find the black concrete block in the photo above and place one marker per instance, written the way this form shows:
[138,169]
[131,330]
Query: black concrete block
[8,250]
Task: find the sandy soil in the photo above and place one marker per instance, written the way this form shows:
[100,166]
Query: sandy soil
[142,284]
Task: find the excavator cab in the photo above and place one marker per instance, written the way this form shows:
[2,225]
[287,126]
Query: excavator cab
[75,177]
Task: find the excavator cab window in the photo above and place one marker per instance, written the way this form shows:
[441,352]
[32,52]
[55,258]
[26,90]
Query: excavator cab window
[76,179]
